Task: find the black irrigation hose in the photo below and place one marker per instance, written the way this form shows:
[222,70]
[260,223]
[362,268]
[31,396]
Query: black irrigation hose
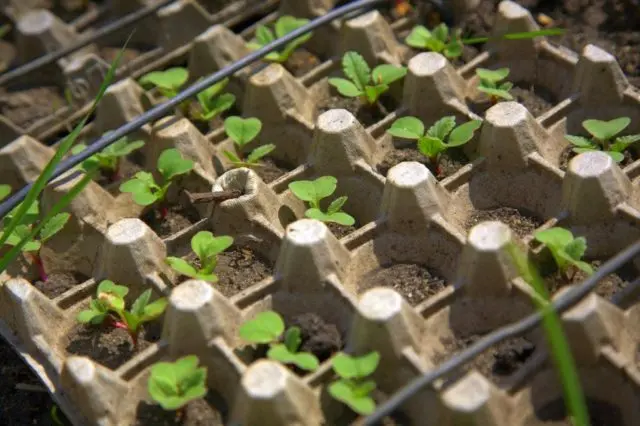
[129,19]
[561,304]
[160,110]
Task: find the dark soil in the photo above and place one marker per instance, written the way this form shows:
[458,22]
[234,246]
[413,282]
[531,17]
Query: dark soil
[13,409]
[238,269]
[613,25]
[108,345]
[414,282]
[521,223]
[318,337]
[600,414]
[498,363]
[59,282]
[340,231]
[567,154]
[449,162]
[301,62]
[112,183]
[177,218]
[606,287]
[201,412]
[270,170]
[26,107]
[366,115]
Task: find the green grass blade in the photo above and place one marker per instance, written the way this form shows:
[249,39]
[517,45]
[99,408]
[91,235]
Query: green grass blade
[560,351]
[62,150]
[517,36]
[57,208]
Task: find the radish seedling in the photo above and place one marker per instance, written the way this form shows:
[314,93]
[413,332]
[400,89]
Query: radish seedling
[268,328]
[110,304]
[566,250]
[167,82]
[432,144]
[363,83]
[283,26]
[108,160]
[23,229]
[353,388]
[438,40]
[490,83]
[143,187]
[242,131]
[604,138]
[207,248]
[314,191]
[174,384]
[213,102]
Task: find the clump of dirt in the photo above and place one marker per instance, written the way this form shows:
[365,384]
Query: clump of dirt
[340,231]
[414,282]
[521,223]
[176,219]
[318,337]
[449,162]
[108,345]
[59,282]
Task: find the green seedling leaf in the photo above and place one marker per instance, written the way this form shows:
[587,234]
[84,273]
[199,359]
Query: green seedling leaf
[171,164]
[5,190]
[441,32]
[168,82]
[442,128]
[419,37]
[314,191]
[341,218]
[207,248]
[259,153]
[581,142]
[463,133]
[20,232]
[283,26]
[387,74]
[182,266]
[623,142]
[345,87]
[407,128]
[54,226]
[304,361]
[565,249]
[350,367]
[212,102]
[242,131]
[336,205]
[356,68]
[605,130]
[342,391]
[493,76]
[95,315]
[292,339]
[143,189]
[431,147]
[232,157]
[603,134]
[173,385]
[266,327]
[499,93]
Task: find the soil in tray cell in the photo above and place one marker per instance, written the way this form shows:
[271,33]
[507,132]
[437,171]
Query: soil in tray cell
[207,411]
[449,162]
[27,106]
[238,269]
[13,409]
[366,115]
[496,364]
[340,231]
[606,288]
[108,345]
[176,219]
[554,414]
[414,282]
[59,282]
[521,223]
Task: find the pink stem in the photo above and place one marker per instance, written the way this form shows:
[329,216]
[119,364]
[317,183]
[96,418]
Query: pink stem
[38,262]
[164,212]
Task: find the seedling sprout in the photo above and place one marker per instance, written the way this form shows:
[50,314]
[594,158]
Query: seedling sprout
[207,248]
[363,83]
[491,83]
[24,228]
[268,328]
[213,102]
[314,191]
[354,388]
[108,160]
[604,137]
[438,40]
[143,187]
[109,304]
[167,82]
[432,144]
[242,131]
[566,250]
[283,26]
[174,384]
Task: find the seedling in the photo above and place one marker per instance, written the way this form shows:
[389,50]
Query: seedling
[363,83]
[566,250]
[213,102]
[242,131]
[5,190]
[174,384]
[268,328]
[143,187]
[353,388]
[491,83]
[432,144]
[167,82]
[283,26]
[110,304]
[108,160]
[207,248]
[314,191]
[24,228]
[438,40]
[604,138]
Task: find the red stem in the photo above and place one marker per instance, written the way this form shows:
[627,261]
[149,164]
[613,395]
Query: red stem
[163,212]
[120,324]
[38,262]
